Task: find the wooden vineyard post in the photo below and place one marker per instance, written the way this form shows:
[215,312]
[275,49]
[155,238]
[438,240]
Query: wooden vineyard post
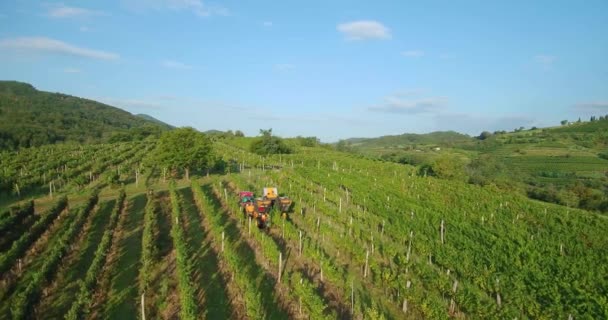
[498,298]
[143,310]
[321,270]
[352,298]
[280,265]
[366,262]
[137,178]
[20,266]
[225,194]
[283,229]
[340,205]
[223,241]
[300,248]
[452,302]
[249,229]
[51,189]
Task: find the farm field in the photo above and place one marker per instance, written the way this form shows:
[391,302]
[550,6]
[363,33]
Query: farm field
[365,239]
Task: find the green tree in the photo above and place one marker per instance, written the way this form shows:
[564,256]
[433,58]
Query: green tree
[269,144]
[183,149]
[239,133]
[484,135]
[446,167]
[564,122]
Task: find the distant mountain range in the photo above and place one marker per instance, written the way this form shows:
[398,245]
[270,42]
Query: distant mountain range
[29,117]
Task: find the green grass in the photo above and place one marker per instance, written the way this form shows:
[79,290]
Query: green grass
[67,287]
[123,295]
[217,303]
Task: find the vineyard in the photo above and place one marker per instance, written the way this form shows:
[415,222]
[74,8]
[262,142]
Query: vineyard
[100,235]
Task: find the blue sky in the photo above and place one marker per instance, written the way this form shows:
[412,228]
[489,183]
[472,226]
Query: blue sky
[332,69]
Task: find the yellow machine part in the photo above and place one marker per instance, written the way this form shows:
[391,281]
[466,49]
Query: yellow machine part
[249,208]
[271,193]
[262,202]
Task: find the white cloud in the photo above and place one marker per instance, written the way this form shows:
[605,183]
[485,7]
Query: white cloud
[598,107]
[413,53]
[267,24]
[284,66]
[546,61]
[172,64]
[72,70]
[48,45]
[61,11]
[400,105]
[363,30]
[198,7]
[84,29]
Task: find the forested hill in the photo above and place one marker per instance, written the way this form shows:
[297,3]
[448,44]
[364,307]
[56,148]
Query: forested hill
[440,138]
[29,117]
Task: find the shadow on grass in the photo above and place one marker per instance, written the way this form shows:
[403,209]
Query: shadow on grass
[68,286]
[123,296]
[211,284]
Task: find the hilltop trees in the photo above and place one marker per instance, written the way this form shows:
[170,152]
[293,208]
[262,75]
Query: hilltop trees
[269,144]
[183,149]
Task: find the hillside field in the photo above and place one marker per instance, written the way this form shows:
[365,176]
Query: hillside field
[365,239]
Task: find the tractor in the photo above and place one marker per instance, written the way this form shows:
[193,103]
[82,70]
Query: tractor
[246,201]
[268,202]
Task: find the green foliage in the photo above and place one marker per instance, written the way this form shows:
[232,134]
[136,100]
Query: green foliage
[189,309]
[15,215]
[445,167]
[87,286]
[484,135]
[18,248]
[269,144]
[484,170]
[24,300]
[183,148]
[308,141]
[31,118]
[149,245]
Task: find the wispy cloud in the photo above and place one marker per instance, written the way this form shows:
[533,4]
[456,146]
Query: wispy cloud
[267,24]
[546,61]
[413,53]
[84,29]
[364,30]
[72,70]
[598,107]
[400,105]
[48,45]
[284,66]
[197,7]
[172,64]
[62,11]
